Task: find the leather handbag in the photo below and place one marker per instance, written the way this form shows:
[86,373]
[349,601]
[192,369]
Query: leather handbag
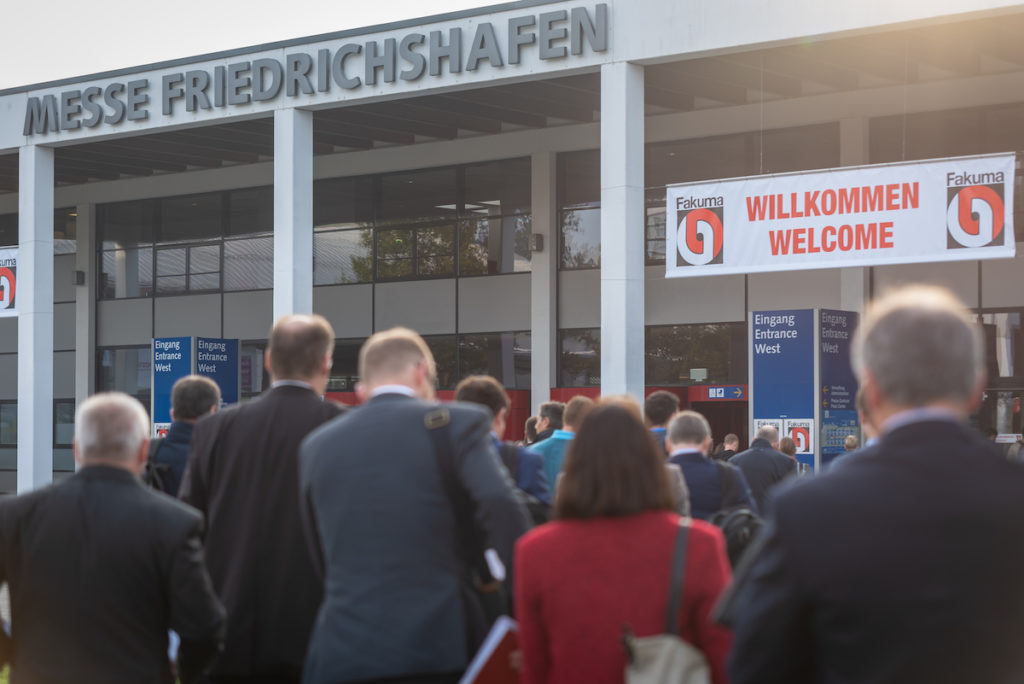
[666,657]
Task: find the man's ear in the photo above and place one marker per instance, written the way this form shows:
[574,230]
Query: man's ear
[79,459]
[362,394]
[172,416]
[142,457]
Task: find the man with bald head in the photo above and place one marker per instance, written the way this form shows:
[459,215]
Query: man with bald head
[763,465]
[100,567]
[243,474]
[902,562]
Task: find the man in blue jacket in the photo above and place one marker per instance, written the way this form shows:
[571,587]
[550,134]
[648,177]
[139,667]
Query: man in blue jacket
[192,397]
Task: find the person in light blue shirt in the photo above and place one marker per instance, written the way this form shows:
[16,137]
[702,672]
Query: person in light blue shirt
[659,407]
[554,447]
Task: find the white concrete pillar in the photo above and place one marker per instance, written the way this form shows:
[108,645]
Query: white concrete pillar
[35,317]
[854,136]
[543,277]
[85,303]
[622,229]
[293,212]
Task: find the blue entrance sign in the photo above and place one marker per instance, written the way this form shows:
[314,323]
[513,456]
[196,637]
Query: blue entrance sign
[172,359]
[838,383]
[217,359]
[782,372]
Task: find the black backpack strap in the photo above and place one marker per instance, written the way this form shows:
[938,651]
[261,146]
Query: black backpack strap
[677,579]
[510,457]
[438,423]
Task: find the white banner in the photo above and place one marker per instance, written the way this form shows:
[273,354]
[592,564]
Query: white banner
[8,282]
[913,212]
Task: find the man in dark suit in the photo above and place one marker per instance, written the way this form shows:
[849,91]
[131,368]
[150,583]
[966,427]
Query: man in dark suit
[763,465]
[729,446]
[378,488]
[902,562]
[100,567]
[243,473]
[713,486]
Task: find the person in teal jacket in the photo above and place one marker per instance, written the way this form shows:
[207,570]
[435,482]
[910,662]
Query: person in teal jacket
[554,447]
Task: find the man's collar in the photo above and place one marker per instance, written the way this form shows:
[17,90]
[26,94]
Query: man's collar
[392,389]
[919,415]
[686,450]
[291,383]
[563,434]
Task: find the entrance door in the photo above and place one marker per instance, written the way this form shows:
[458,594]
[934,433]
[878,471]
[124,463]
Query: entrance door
[725,417]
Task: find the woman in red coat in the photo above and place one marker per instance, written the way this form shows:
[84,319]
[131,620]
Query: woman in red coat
[605,563]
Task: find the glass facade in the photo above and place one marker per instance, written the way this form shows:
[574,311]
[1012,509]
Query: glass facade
[702,353]
[683,161]
[65,225]
[951,133]
[125,369]
[63,423]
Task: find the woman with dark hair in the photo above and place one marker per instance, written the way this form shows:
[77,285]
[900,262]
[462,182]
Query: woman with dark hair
[605,563]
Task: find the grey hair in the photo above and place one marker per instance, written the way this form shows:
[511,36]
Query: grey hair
[921,345]
[768,432]
[110,425]
[688,427]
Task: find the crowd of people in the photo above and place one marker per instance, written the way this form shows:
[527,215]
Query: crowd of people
[292,539]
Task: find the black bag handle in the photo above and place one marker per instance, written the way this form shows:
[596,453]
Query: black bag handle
[675,594]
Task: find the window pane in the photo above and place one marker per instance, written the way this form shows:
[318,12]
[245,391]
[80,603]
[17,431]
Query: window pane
[65,228]
[345,369]
[495,245]
[9,423]
[171,284]
[249,264]
[712,353]
[394,268]
[655,230]
[395,253]
[343,256]
[426,194]
[580,352]
[126,224]
[436,250]
[250,211]
[204,259]
[1004,351]
[8,230]
[503,356]
[443,349]
[126,273]
[171,262]
[63,422]
[198,282]
[495,188]
[343,201]
[125,370]
[579,178]
[192,217]
[581,238]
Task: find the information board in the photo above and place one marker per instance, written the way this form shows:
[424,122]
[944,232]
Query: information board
[217,359]
[838,383]
[172,359]
[782,373]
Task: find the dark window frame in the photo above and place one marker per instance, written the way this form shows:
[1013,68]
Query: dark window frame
[56,403]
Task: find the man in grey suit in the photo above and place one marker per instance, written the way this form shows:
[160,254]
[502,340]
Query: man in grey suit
[399,603]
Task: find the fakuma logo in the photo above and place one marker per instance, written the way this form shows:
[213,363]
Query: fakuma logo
[700,226]
[7,283]
[975,213]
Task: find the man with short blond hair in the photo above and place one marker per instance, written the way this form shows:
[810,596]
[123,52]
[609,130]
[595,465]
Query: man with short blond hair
[243,473]
[387,492]
[100,567]
[902,562]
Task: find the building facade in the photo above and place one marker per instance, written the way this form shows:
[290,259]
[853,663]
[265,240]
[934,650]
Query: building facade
[493,178]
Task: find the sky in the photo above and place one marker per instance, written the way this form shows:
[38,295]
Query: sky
[60,39]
